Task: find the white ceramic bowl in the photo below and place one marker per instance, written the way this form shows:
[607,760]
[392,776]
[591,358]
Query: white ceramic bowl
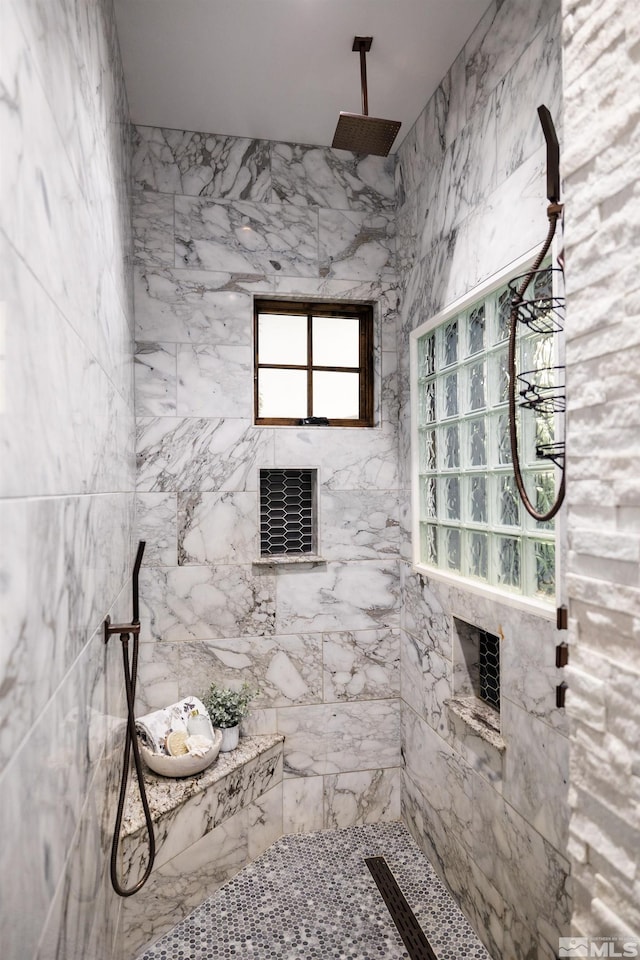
[183,766]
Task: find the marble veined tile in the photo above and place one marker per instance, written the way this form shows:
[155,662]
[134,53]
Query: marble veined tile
[338,596]
[215,381]
[153,228]
[201,164]
[54,438]
[195,306]
[535,78]
[158,676]
[502,842]
[533,747]
[358,524]
[340,737]
[365,796]
[496,42]
[156,524]
[203,603]
[357,246]
[331,178]
[350,459]
[155,379]
[423,614]
[217,528]
[361,664]
[302,804]
[467,174]
[283,670]
[201,455]
[245,237]
[264,821]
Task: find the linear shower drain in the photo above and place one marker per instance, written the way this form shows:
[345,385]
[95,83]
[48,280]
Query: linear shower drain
[413,936]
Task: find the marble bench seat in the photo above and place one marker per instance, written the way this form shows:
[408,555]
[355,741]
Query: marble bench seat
[207,828]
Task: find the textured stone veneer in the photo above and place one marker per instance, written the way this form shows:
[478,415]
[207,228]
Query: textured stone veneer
[602,194]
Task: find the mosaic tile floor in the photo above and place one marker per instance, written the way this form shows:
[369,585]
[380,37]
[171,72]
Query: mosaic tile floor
[312,897]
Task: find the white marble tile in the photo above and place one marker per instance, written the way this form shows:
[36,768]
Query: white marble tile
[361,665]
[202,603]
[282,670]
[349,459]
[215,381]
[358,524]
[45,435]
[155,379]
[201,164]
[366,796]
[495,44]
[201,455]
[158,676]
[65,567]
[157,525]
[534,79]
[153,229]
[356,246]
[302,805]
[340,737]
[533,747]
[245,237]
[443,777]
[217,528]
[259,721]
[264,822]
[333,596]
[336,179]
[467,174]
[195,306]
[503,842]
[424,616]
[178,886]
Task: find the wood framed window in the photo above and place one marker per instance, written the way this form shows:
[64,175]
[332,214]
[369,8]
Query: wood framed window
[313,360]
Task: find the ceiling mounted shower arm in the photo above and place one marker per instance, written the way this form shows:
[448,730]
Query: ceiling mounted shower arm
[362,45]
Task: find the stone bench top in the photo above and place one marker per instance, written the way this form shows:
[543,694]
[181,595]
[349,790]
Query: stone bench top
[166,794]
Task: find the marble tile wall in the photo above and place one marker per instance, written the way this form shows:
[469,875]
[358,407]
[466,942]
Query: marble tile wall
[218,220]
[67,479]
[491,813]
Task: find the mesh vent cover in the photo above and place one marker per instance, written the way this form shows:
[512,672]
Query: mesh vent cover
[286,511]
[490,669]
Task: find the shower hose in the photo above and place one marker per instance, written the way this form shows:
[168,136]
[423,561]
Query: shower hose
[131,742]
[554,211]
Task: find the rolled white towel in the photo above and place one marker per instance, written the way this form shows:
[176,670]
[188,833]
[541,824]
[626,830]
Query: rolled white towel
[154,728]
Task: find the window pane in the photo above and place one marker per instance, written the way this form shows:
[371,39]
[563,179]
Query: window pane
[509,505]
[451,395]
[451,498]
[429,498]
[450,343]
[427,403]
[478,500]
[452,548]
[282,393]
[476,386]
[476,329]
[336,341]
[478,555]
[427,441]
[504,314]
[429,541]
[336,395]
[477,443]
[508,561]
[426,355]
[545,558]
[282,339]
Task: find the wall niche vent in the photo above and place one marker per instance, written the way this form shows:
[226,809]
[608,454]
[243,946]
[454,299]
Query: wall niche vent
[287,512]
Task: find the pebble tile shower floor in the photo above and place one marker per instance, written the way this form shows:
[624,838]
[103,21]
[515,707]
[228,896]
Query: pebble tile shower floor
[312,897]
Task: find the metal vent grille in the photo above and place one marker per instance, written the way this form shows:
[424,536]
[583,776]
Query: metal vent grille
[413,936]
[490,669]
[287,516]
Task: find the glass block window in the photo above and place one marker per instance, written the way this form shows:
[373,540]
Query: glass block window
[489,653]
[470,521]
[287,512]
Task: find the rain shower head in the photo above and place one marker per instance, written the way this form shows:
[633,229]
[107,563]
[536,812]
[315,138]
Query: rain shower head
[361,133]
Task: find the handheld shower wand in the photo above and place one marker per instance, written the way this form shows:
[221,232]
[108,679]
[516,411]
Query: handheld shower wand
[131,741]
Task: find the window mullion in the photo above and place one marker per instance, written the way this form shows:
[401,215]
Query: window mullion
[309,365]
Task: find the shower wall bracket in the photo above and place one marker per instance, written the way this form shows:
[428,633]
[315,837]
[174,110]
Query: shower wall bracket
[109,629]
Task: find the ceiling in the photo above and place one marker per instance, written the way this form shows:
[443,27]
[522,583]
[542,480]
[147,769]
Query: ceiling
[283,69]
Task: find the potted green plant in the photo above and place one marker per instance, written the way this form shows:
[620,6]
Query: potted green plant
[226,708]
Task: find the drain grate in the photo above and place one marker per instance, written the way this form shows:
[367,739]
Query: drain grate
[413,936]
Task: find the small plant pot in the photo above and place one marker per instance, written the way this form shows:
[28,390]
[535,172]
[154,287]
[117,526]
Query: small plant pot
[230,737]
